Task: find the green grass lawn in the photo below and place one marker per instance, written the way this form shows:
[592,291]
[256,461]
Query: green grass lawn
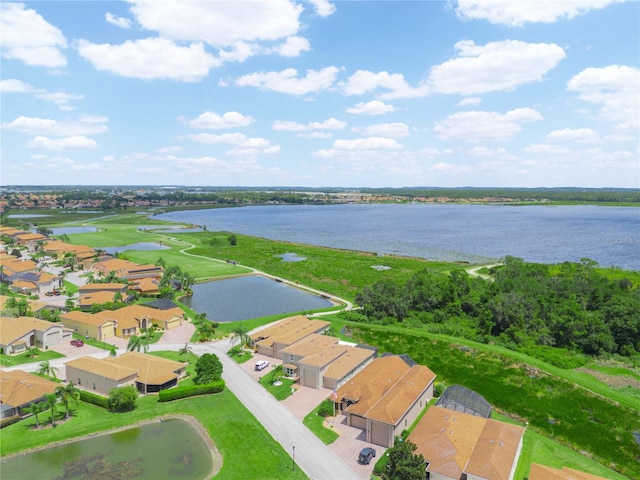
[280,392]
[315,423]
[240,356]
[43,355]
[232,428]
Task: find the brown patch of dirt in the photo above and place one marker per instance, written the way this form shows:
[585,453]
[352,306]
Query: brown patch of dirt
[615,381]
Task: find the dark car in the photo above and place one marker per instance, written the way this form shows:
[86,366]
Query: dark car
[77,343]
[366,454]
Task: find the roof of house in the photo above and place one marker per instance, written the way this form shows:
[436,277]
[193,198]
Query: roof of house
[151,370]
[279,328]
[29,237]
[18,266]
[542,472]
[20,388]
[14,328]
[346,363]
[93,287]
[103,367]
[325,356]
[161,304]
[146,284]
[310,345]
[98,297]
[454,443]
[128,317]
[86,318]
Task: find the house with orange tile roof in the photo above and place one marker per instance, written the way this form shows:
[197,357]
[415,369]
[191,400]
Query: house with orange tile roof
[148,373]
[385,397]
[542,472]
[103,287]
[272,340]
[86,324]
[19,389]
[125,269]
[457,446]
[21,333]
[321,361]
[132,319]
[147,286]
[30,240]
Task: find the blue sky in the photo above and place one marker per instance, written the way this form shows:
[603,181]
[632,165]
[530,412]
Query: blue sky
[496,93]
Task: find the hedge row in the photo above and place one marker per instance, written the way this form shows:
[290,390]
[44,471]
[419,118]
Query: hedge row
[5,422]
[94,399]
[190,391]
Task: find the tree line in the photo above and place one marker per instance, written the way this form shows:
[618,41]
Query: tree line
[569,305]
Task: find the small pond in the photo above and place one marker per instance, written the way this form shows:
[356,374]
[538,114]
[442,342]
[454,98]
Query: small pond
[27,215]
[252,296]
[72,230]
[135,246]
[291,257]
[168,449]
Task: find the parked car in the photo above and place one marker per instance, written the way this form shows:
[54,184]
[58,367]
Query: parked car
[366,454]
[261,365]
[77,343]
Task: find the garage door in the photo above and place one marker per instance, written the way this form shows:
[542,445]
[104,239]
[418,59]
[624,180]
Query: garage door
[307,378]
[380,434]
[358,422]
[108,331]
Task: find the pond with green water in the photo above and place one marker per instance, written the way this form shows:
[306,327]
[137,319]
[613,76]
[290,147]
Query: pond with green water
[163,450]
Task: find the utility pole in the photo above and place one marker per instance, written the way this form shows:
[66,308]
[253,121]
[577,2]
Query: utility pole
[293,459]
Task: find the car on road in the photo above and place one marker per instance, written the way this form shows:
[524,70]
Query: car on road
[77,343]
[366,454]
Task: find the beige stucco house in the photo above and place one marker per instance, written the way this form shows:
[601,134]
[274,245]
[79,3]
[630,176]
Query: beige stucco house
[275,338]
[86,324]
[19,389]
[21,333]
[385,397]
[459,446]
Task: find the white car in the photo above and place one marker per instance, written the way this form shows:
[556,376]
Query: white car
[261,365]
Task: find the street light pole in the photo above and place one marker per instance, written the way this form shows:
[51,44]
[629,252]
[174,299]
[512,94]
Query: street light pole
[293,459]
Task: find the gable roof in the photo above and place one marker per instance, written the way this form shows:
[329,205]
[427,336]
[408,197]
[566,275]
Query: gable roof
[454,443]
[20,387]
[14,328]
[86,318]
[95,287]
[151,370]
[346,363]
[310,345]
[103,367]
[99,297]
[280,328]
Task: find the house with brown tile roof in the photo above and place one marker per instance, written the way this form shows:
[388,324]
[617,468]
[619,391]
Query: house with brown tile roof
[542,472]
[385,397]
[19,389]
[148,373]
[131,319]
[29,240]
[147,285]
[18,265]
[87,301]
[125,269]
[103,287]
[459,446]
[21,333]
[86,324]
[276,337]
[33,282]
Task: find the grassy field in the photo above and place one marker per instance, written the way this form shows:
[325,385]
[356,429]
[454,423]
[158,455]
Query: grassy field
[43,355]
[315,423]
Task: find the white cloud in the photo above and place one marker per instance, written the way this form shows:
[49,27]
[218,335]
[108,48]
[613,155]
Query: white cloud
[238,52]
[62,143]
[475,126]
[172,149]
[150,58]
[323,8]
[58,98]
[293,47]
[370,143]
[374,107]
[579,134]
[519,13]
[28,37]
[391,130]
[237,139]
[212,120]
[117,21]
[496,154]
[287,81]
[614,89]
[219,24]
[474,70]
[364,81]
[547,149]
[87,125]
[469,101]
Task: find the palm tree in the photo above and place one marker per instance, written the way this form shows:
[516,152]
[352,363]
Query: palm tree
[68,393]
[136,343]
[241,334]
[32,352]
[185,351]
[113,352]
[51,401]
[36,409]
[47,369]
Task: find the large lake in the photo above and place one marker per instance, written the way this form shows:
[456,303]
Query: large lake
[473,233]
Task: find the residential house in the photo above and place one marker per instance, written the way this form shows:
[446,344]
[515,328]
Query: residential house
[148,373]
[542,472]
[125,269]
[33,283]
[148,286]
[21,333]
[30,240]
[272,340]
[460,446]
[120,288]
[87,301]
[19,389]
[131,320]
[385,397]
[88,325]
[322,361]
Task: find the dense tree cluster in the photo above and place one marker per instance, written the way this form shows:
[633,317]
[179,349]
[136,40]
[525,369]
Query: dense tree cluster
[208,369]
[570,305]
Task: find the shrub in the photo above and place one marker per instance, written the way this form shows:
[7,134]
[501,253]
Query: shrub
[438,389]
[208,369]
[123,399]
[190,391]
[326,408]
[94,399]
[5,422]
